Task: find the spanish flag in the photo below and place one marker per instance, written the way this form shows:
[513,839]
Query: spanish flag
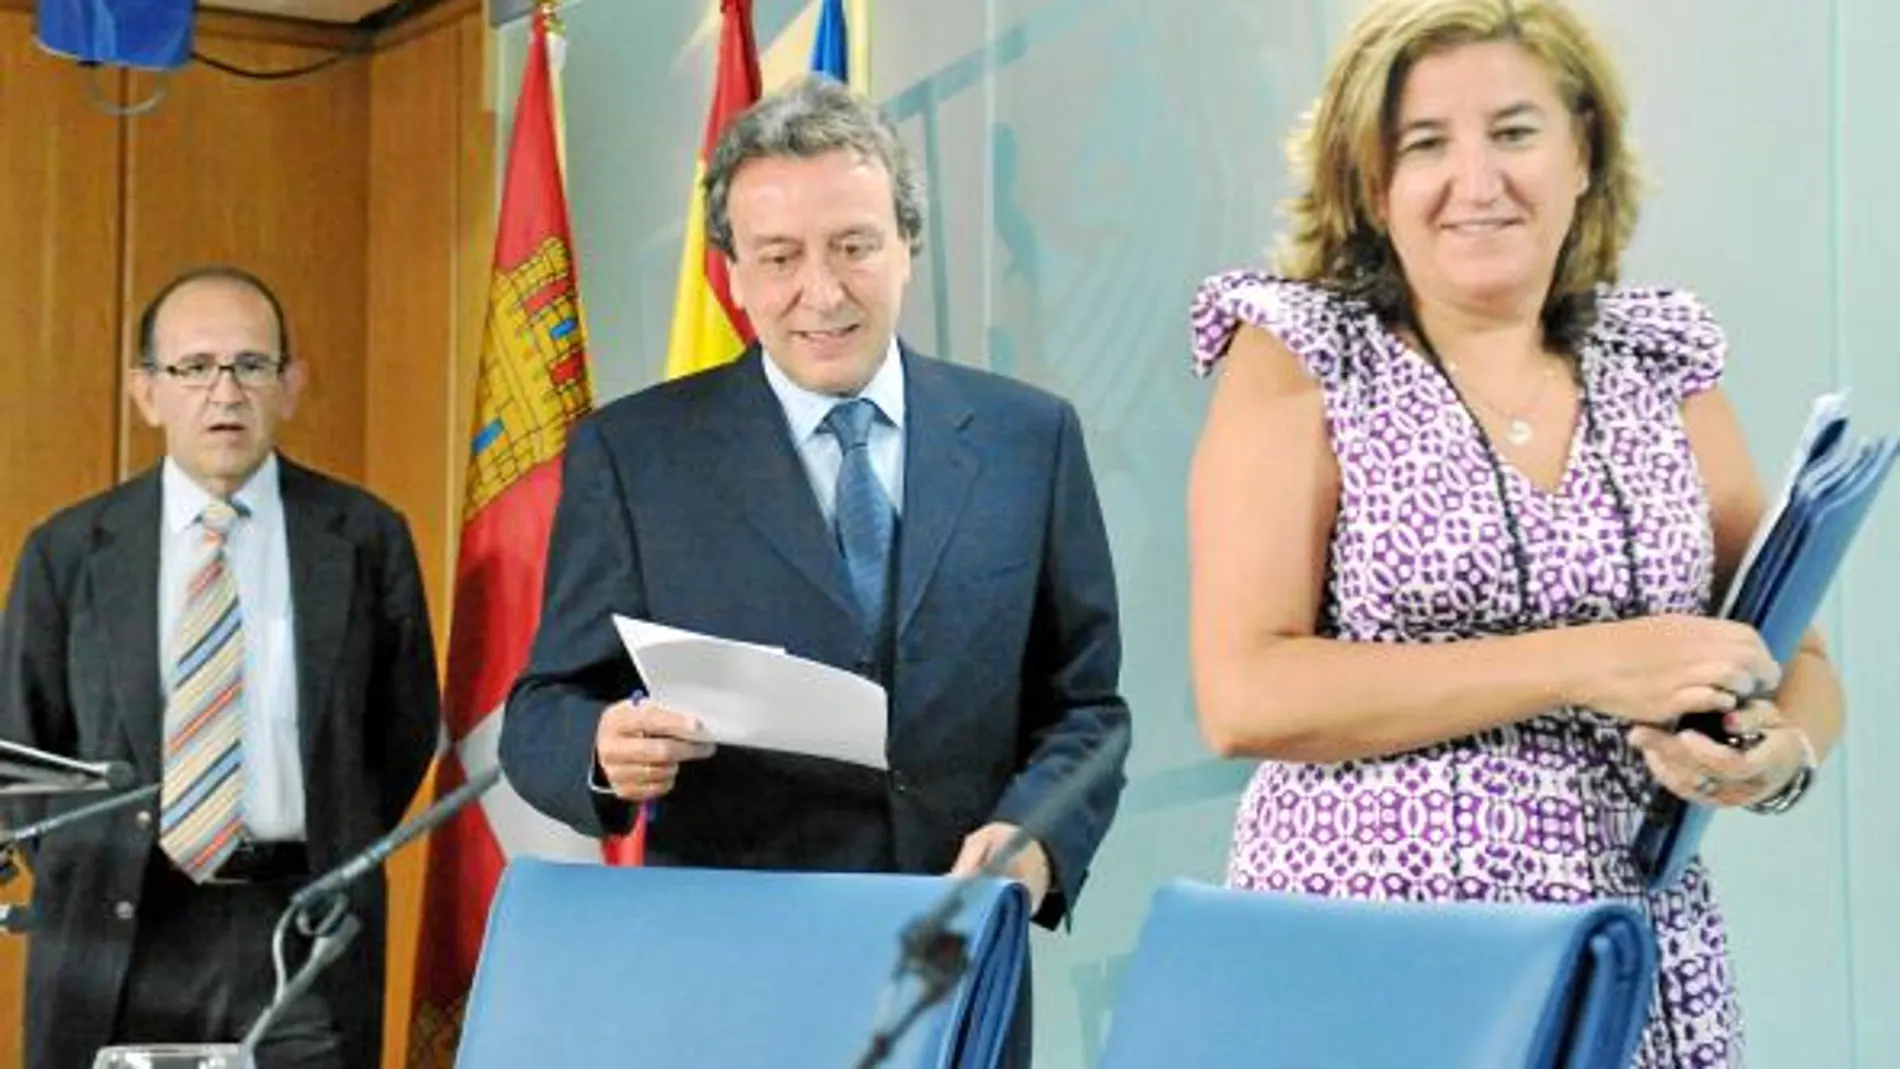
[708,329]
[533,386]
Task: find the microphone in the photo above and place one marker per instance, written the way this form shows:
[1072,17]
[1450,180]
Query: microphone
[28,770]
[938,955]
[32,832]
[1087,775]
[333,882]
[119,775]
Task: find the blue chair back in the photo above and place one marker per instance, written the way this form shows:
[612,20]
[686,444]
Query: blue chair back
[586,965]
[1227,978]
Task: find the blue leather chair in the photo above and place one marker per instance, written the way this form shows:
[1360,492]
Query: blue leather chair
[1235,978]
[585,965]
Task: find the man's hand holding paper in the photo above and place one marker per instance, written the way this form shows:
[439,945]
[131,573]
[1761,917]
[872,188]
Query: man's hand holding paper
[641,744]
[743,694]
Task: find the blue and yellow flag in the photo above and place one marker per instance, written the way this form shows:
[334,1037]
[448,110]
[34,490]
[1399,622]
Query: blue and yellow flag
[840,45]
[831,45]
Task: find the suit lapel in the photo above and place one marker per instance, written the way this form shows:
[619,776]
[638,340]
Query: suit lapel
[756,469]
[124,567]
[322,581]
[939,467]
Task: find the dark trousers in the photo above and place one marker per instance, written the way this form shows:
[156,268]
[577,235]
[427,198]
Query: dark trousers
[201,972]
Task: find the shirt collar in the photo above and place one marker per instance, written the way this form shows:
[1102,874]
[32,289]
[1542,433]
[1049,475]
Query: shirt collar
[805,410]
[259,498]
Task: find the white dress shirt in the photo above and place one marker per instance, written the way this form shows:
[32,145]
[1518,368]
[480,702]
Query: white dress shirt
[259,556]
[805,414]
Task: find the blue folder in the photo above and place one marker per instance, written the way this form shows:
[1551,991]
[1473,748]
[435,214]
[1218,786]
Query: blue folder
[1241,978]
[1831,484]
[586,965]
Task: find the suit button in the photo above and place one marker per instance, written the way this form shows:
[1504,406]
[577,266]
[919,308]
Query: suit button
[123,910]
[143,818]
[900,783]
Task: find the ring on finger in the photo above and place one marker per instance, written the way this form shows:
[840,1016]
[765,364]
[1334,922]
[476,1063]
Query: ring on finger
[1706,784]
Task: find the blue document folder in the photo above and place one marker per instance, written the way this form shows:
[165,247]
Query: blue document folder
[1830,486]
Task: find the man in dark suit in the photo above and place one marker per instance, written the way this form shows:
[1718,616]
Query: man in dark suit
[953,550]
[253,636]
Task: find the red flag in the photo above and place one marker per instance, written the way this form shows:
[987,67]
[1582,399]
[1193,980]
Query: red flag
[533,386]
[708,328]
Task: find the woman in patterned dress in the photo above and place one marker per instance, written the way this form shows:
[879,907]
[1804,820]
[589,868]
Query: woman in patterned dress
[1462,506]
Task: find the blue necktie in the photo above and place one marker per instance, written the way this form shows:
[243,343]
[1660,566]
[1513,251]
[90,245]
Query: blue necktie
[865,521]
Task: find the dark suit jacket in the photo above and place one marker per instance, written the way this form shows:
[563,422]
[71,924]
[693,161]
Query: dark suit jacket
[79,675]
[687,504]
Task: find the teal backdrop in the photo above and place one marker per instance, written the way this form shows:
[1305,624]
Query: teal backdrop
[1091,160]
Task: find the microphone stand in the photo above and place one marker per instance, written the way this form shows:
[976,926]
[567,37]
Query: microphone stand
[321,909]
[940,956]
[331,938]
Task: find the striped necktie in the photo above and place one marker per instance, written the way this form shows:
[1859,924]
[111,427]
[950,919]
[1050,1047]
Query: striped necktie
[200,821]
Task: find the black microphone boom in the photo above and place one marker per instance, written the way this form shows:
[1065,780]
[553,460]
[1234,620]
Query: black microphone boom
[29,833]
[20,918]
[334,881]
[1086,775]
[936,954]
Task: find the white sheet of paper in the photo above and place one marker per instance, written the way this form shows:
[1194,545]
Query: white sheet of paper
[748,695]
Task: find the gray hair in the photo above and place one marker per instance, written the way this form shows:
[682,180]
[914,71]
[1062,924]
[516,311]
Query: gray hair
[810,117]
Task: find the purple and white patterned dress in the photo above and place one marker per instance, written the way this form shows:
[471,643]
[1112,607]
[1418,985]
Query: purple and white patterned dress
[1541,810]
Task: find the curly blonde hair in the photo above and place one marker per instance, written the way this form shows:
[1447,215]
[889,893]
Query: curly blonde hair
[1341,152]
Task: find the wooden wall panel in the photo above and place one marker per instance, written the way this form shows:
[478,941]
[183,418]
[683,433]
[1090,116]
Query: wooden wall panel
[431,175]
[270,176]
[411,428]
[59,378]
[364,194]
[59,225]
[412,291]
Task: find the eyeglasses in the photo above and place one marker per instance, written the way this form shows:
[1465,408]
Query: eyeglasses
[252,371]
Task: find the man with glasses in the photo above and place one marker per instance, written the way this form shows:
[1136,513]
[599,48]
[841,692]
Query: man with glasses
[251,636]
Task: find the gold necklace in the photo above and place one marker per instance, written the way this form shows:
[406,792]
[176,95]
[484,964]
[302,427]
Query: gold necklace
[1518,429]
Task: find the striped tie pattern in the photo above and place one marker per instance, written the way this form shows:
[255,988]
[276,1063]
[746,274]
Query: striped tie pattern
[199,818]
